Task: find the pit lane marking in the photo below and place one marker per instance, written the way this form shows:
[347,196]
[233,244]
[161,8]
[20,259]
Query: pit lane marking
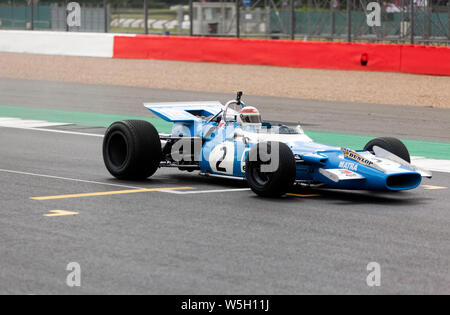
[59,213]
[107,193]
[430,187]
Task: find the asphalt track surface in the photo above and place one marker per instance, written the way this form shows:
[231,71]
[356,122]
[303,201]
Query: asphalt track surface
[209,236]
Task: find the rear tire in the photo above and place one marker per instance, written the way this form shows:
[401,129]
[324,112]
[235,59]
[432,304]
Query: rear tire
[132,149]
[392,145]
[271,184]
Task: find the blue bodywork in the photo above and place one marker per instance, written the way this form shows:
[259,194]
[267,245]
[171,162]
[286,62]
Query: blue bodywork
[225,147]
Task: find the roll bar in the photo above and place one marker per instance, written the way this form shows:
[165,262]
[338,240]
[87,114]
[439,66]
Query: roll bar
[237,101]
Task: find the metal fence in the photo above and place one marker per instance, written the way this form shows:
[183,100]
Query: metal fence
[416,21]
[402,21]
[52,15]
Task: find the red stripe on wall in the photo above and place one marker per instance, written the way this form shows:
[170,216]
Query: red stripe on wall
[320,55]
[425,60]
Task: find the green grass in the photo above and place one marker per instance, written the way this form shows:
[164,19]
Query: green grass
[150,31]
[141,11]
[429,149]
[78,118]
[157,14]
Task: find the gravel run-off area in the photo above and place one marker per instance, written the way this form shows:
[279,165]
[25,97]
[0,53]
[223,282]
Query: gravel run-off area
[332,85]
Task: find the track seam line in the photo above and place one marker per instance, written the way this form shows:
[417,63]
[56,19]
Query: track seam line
[69,179]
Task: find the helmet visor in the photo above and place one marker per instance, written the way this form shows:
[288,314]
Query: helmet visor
[251,118]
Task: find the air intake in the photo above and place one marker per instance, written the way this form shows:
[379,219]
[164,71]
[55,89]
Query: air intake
[403,181]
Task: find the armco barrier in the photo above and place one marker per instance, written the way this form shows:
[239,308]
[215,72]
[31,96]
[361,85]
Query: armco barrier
[321,55]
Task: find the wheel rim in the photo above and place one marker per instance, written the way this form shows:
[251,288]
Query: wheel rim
[260,178]
[117,149]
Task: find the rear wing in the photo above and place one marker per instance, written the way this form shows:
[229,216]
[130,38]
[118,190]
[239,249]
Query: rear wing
[185,111]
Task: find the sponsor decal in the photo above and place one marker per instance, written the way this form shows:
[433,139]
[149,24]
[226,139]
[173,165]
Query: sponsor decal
[360,159]
[174,113]
[349,166]
[349,174]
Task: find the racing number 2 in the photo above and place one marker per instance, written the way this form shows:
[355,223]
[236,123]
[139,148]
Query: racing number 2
[220,161]
[221,158]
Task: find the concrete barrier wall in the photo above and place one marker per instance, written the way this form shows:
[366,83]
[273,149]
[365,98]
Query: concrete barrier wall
[319,55]
[57,43]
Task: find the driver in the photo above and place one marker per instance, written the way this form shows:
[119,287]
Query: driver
[249,115]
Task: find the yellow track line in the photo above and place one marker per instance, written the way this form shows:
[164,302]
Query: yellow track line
[304,196]
[58,213]
[107,193]
[430,187]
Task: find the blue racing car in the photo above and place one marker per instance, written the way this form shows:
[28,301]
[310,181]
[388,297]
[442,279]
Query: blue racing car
[232,141]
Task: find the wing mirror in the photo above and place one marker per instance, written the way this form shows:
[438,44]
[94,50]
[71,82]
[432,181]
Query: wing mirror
[240,134]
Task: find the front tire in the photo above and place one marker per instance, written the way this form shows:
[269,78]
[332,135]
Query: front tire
[393,145]
[132,149]
[275,183]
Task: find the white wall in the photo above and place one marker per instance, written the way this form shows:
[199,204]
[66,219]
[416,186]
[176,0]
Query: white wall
[57,43]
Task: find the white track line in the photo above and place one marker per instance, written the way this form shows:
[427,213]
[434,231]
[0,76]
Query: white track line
[69,179]
[122,186]
[30,124]
[434,165]
[58,131]
[39,125]
[18,123]
[431,164]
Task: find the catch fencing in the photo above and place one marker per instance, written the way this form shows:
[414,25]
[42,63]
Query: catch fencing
[401,21]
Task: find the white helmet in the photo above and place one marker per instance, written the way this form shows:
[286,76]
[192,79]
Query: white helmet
[249,115]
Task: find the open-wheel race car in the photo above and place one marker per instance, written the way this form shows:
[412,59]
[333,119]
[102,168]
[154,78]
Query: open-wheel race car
[219,140]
